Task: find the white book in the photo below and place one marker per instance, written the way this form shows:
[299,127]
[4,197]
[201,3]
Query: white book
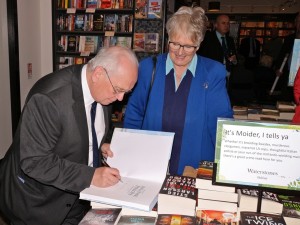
[142,158]
[204,204]
[207,184]
[218,195]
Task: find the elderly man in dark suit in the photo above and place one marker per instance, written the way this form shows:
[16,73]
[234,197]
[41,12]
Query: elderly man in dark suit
[51,158]
[218,45]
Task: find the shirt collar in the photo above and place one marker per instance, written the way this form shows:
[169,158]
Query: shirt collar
[192,66]
[219,35]
[88,99]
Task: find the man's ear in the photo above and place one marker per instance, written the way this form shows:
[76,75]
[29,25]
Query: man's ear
[96,74]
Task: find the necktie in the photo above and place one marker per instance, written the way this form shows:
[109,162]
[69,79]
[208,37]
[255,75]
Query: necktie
[94,136]
[224,46]
[225,51]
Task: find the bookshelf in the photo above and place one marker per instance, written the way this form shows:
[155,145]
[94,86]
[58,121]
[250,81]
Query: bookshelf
[262,23]
[81,27]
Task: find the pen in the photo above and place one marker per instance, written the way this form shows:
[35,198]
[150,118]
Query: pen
[106,164]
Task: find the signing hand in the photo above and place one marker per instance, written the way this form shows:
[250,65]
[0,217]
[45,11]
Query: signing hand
[105,177]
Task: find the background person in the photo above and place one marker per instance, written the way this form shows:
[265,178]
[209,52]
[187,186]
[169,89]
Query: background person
[47,164]
[187,96]
[212,48]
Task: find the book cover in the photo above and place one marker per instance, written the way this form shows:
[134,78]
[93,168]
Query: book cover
[136,220]
[177,196]
[139,41]
[106,4]
[72,43]
[110,22]
[98,22]
[141,182]
[154,9]
[291,206]
[105,216]
[151,42]
[91,44]
[254,218]
[175,219]
[79,22]
[207,217]
[295,62]
[141,9]
[124,41]
[91,3]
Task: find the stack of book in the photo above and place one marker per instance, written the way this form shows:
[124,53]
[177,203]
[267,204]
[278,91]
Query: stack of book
[248,200]
[213,197]
[282,111]
[177,196]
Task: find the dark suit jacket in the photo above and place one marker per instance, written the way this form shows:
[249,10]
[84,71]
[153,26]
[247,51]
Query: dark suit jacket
[212,48]
[245,48]
[46,166]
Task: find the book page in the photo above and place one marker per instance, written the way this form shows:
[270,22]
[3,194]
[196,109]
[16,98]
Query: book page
[141,154]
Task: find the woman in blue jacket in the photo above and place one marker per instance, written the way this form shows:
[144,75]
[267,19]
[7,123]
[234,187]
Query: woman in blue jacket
[187,95]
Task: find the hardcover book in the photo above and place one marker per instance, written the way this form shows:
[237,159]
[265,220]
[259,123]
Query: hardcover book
[72,43]
[91,3]
[141,181]
[291,206]
[105,216]
[177,196]
[254,218]
[218,195]
[174,219]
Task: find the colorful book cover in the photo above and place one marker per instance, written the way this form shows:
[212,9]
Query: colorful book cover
[124,41]
[154,9]
[91,3]
[72,43]
[151,42]
[141,9]
[105,216]
[136,220]
[139,42]
[110,22]
[106,4]
[174,219]
[207,217]
[291,206]
[79,22]
[254,218]
[205,170]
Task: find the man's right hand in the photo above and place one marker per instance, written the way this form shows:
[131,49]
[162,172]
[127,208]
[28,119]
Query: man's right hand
[105,177]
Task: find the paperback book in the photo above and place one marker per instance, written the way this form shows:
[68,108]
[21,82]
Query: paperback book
[105,216]
[174,219]
[135,220]
[177,196]
[255,218]
[216,217]
[154,9]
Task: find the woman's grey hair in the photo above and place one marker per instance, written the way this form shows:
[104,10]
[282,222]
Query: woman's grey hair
[189,21]
[110,58]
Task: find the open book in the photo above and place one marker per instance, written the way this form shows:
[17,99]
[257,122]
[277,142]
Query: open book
[142,158]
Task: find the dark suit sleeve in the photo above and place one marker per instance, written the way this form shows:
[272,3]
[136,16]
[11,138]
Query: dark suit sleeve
[51,151]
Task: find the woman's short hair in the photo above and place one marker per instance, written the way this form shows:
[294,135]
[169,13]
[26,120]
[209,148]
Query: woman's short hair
[189,21]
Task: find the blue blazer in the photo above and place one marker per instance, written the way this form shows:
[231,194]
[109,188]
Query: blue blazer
[207,100]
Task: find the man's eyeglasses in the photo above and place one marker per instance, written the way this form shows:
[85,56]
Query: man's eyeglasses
[187,48]
[117,90]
